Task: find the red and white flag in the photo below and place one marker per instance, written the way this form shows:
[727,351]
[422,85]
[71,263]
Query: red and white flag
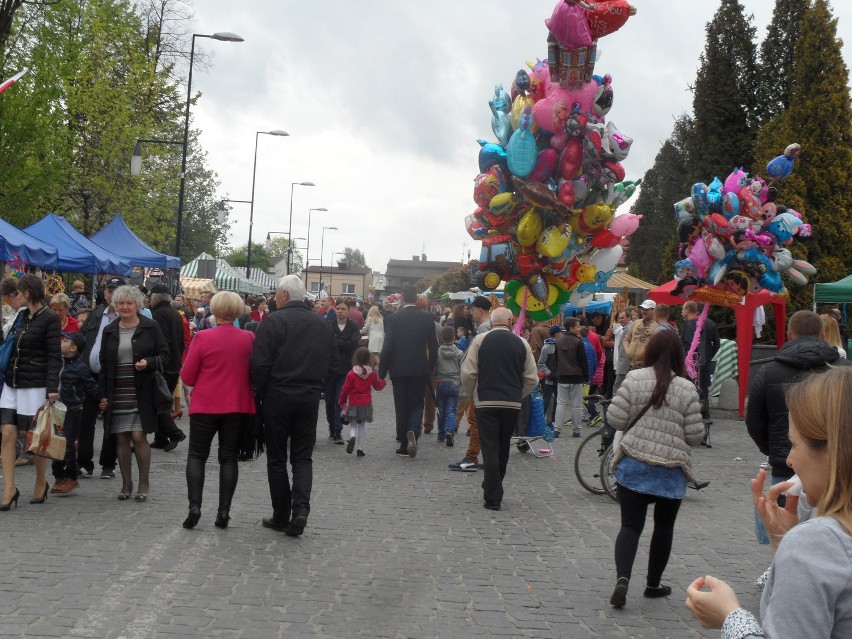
[7,83]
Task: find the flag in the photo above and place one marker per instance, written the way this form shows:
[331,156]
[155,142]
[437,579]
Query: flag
[7,83]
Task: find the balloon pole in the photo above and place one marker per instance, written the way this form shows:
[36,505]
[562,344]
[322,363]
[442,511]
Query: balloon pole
[691,369]
[522,316]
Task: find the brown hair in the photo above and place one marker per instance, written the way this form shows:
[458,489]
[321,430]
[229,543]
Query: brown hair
[821,410]
[32,287]
[832,332]
[448,334]
[664,353]
[690,307]
[805,324]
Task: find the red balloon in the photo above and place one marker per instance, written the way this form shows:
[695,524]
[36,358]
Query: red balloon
[544,165]
[566,193]
[572,159]
[607,16]
[605,239]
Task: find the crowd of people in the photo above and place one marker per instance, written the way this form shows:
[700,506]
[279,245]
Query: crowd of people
[254,371]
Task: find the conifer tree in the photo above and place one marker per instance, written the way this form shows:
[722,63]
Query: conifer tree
[774,80]
[724,103]
[819,118]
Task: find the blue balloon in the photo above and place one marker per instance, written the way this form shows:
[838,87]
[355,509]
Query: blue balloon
[491,154]
[782,166]
[521,150]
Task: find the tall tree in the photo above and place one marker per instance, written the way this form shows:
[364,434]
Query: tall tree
[354,258]
[666,182]
[724,103]
[819,117]
[774,79]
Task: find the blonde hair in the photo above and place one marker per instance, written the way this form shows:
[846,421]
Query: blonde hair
[831,332]
[226,306]
[62,299]
[821,410]
[374,314]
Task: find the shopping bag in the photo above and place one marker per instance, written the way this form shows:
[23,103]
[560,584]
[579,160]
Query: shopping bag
[47,439]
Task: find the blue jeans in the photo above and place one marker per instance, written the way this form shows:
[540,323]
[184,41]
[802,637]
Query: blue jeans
[333,386]
[446,401]
[759,530]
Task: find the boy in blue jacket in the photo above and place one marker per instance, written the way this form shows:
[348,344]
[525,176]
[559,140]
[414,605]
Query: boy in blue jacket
[75,384]
[592,364]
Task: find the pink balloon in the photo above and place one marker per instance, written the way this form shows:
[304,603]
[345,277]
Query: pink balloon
[700,258]
[545,163]
[624,225]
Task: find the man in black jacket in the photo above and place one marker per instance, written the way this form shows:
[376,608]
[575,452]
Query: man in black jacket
[766,413]
[572,371]
[409,354]
[708,346]
[293,356]
[92,330]
[168,435]
[498,371]
[346,337]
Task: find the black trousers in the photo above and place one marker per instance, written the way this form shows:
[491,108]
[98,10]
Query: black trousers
[496,426]
[293,425]
[634,508]
[67,468]
[166,427]
[86,438]
[408,400]
[202,429]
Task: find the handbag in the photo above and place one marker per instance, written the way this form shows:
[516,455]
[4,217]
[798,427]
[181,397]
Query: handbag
[163,399]
[47,439]
[8,346]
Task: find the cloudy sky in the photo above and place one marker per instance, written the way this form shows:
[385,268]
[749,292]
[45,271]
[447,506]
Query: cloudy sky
[384,102]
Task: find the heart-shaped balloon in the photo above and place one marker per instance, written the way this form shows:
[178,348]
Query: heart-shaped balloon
[608,16]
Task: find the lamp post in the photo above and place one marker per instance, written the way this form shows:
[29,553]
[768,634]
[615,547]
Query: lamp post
[308,248]
[322,246]
[276,132]
[136,158]
[331,273]
[290,225]
[223,36]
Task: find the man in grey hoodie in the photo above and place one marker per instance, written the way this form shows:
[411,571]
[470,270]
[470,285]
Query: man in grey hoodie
[447,381]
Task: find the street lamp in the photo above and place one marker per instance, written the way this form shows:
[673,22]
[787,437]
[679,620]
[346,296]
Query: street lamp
[275,132]
[223,36]
[308,248]
[136,158]
[322,246]
[290,225]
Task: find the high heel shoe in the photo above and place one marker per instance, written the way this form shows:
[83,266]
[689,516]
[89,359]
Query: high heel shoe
[43,497]
[124,495]
[8,506]
[222,519]
[193,517]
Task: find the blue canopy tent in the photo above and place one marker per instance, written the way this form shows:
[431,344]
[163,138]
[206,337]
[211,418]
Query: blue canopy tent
[116,236]
[605,308]
[16,245]
[77,254]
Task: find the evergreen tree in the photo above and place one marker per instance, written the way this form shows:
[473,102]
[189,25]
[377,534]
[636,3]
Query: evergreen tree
[354,258]
[724,97]
[774,80]
[665,183]
[819,118]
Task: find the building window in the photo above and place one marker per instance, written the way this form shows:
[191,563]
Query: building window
[348,289]
[315,287]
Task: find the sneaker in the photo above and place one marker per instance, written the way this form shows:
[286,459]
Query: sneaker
[338,439]
[766,465]
[412,445]
[464,466]
[350,445]
[361,453]
[449,439]
[441,439]
[84,473]
[108,473]
[568,424]
[577,432]
[595,420]
[401,453]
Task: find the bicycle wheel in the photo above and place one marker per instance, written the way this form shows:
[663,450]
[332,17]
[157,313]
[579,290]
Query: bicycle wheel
[587,463]
[607,475]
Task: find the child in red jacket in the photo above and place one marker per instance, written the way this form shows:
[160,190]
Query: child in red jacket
[356,389]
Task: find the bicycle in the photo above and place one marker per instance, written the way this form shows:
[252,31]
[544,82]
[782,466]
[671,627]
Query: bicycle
[591,463]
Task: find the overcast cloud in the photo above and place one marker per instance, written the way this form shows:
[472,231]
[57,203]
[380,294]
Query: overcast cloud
[384,102]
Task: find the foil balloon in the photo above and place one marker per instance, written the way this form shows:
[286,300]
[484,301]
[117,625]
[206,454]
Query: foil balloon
[504,204]
[605,260]
[602,102]
[592,218]
[565,194]
[730,205]
[571,160]
[605,239]
[614,144]
[749,204]
[608,16]
[539,79]
[474,227]
[521,150]
[685,210]
[625,224]
[521,103]
[491,154]
[487,185]
[581,299]
[735,182]
[623,191]
[569,26]
[714,196]
[782,166]
[501,123]
[699,199]
[553,241]
[529,228]
[545,163]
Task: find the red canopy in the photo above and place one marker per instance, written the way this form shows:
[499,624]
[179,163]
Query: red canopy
[745,315]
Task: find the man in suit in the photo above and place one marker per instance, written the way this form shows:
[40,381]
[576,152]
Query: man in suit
[409,353]
[168,435]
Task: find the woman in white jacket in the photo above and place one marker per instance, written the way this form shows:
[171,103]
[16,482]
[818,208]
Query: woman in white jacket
[374,329]
[659,407]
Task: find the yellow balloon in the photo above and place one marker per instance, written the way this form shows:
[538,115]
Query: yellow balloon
[592,219]
[518,105]
[533,304]
[529,228]
[553,240]
[503,204]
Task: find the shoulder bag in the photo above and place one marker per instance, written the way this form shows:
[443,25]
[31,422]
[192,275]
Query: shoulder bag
[163,399]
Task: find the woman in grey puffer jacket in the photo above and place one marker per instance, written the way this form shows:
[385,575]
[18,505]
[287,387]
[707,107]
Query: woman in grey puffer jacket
[652,460]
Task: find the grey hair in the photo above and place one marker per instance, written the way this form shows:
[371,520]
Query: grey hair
[292,285]
[164,298]
[501,314]
[128,293]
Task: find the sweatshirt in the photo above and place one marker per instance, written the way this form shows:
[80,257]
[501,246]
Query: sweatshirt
[448,366]
[356,388]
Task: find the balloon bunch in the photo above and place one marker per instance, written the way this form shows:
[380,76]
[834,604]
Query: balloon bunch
[547,190]
[732,237]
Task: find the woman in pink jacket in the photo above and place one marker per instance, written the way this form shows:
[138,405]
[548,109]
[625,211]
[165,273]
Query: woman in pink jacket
[217,367]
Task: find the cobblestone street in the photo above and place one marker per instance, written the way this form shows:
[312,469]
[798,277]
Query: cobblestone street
[394,548]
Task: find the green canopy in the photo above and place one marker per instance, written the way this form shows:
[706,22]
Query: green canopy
[840,291]
[226,279]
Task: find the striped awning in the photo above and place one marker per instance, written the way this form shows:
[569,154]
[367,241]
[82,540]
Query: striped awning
[193,287]
[726,365]
[227,278]
[621,280]
[259,276]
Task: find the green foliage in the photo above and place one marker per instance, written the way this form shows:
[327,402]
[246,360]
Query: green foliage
[724,100]
[666,182]
[103,76]
[454,280]
[354,258]
[276,248]
[259,256]
[819,117]
[774,80]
